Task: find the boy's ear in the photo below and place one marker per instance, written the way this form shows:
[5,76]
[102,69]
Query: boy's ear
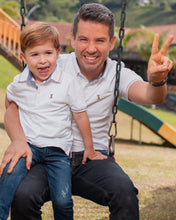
[23,57]
[58,52]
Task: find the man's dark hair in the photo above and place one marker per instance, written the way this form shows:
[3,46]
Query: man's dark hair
[97,13]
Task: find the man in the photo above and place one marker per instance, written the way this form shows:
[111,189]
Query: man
[103,182]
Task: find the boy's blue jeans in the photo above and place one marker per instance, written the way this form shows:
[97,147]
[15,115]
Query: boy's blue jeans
[58,169]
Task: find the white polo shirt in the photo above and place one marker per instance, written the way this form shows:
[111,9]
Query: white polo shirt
[45,109]
[99,96]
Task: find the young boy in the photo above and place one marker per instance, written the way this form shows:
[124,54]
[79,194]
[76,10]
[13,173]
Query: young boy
[47,97]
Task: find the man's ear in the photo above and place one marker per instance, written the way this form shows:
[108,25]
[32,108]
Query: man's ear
[112,42]
[72,38]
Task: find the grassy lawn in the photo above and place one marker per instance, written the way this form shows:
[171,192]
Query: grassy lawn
[151,167]
[7,72]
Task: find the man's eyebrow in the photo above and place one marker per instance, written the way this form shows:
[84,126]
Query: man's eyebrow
[102,38]
[98,38]
[80,36]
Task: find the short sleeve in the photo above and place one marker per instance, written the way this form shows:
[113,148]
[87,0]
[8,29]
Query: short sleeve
[12,89]
[127,78]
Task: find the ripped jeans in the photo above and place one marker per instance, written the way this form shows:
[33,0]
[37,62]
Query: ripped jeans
[58,169]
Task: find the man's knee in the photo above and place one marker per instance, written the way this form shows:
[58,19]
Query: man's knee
[126,191]
[124,202]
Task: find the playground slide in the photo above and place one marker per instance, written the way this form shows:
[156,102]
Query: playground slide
[161,128]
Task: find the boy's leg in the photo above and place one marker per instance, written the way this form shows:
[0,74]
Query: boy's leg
[26,196]
[27,203]
[58,168]
[106,176]
[8,186]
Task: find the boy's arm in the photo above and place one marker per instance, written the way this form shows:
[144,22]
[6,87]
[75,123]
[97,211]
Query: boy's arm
[18,147]
[82,121]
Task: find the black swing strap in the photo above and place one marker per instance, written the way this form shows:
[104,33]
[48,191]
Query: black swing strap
[113,125]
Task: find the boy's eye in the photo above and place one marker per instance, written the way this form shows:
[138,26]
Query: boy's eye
[34,54]
[48,52]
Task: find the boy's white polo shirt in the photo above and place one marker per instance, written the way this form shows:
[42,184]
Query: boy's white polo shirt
[45,109]
[99,96]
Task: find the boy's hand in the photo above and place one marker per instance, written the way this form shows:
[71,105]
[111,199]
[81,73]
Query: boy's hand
[93,155]
[14,152]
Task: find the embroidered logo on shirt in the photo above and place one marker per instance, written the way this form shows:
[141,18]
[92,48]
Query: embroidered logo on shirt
[51,96]
[98,97]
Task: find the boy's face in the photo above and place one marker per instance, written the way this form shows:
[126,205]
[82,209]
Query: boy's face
[41,60]
[92,45]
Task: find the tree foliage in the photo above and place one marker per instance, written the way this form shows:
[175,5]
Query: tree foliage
[11,8]
[64,10]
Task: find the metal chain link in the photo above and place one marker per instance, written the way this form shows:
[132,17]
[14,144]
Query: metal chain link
[23,15]
[113,126]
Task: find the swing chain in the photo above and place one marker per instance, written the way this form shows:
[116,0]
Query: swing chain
[23,14]
[113,125]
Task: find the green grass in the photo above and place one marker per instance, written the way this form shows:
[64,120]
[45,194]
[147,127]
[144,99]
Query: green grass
[7,72]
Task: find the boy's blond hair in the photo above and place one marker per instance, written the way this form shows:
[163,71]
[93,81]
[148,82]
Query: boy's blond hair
[38,33]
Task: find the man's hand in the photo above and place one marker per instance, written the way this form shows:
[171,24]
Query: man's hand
[14,152]
[159,65]
[93,155]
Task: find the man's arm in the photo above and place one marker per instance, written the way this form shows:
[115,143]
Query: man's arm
[18,147]
[82,121]
[158,68]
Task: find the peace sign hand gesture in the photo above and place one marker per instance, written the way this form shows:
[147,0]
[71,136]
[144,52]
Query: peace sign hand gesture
[159,65]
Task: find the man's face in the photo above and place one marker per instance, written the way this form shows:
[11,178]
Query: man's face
[92,45]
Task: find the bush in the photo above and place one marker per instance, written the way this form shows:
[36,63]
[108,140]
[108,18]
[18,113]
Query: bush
[173,6]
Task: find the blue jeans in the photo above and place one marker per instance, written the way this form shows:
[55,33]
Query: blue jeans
[102,181]
[58,170]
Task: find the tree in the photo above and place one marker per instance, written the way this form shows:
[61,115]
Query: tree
[11,8]
[173,6]
[144,38]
